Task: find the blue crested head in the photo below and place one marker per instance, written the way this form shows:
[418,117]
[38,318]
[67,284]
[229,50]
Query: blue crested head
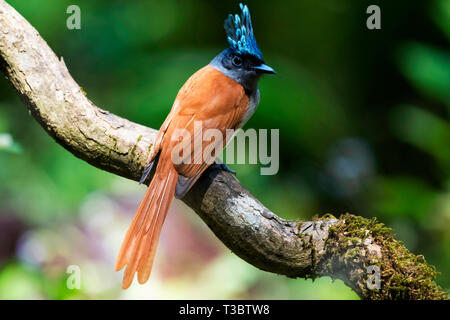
[243,60]
[240,34]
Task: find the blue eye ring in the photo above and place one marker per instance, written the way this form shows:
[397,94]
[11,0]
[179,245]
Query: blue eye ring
[237,61]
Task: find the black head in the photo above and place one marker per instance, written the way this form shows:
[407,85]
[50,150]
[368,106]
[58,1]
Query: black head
[243,60]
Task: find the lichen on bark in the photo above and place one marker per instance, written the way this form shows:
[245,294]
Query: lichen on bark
[356,243]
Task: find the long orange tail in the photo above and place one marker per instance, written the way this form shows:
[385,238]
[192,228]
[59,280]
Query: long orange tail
[139,246]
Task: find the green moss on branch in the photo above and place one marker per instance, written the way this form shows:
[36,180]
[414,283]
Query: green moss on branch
[356,243]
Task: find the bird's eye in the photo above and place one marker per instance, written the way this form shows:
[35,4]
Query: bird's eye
[237,61]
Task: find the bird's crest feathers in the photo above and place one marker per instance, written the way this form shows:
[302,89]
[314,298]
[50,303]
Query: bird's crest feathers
[240,33]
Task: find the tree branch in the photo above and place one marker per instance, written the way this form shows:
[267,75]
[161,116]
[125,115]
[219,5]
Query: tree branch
[340,248]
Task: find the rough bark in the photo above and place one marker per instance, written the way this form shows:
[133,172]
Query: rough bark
[337,247]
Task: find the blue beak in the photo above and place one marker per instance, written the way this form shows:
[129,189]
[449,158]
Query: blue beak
[263,68]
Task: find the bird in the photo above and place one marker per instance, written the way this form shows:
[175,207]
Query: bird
[222,95]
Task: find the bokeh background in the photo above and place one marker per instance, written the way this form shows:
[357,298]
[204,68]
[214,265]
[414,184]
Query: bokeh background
[364,128]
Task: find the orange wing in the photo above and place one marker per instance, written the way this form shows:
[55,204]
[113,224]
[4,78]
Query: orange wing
[213,101]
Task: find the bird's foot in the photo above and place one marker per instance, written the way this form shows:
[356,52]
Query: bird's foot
[222,167]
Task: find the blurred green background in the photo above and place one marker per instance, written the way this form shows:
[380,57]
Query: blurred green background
[364,128]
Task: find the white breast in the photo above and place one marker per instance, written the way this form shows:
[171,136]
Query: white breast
[253,102]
